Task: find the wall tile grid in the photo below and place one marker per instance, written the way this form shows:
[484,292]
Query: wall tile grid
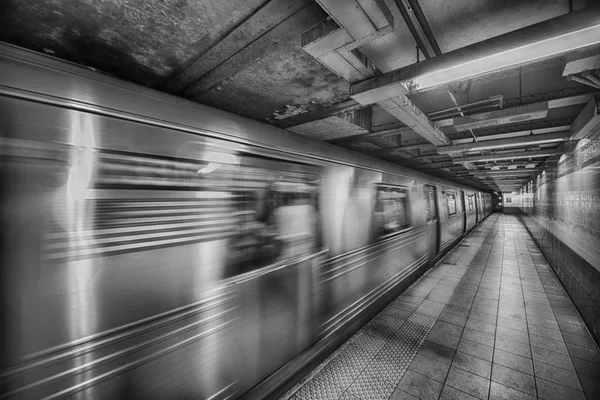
[561,210]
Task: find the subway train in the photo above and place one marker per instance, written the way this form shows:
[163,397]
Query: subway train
[153,247]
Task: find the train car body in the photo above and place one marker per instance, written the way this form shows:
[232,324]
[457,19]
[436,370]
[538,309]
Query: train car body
[157,248]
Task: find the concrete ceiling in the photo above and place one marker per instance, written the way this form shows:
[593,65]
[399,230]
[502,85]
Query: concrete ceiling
[347,72]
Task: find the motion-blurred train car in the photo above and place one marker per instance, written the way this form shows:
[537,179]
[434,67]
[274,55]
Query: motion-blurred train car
[157,248]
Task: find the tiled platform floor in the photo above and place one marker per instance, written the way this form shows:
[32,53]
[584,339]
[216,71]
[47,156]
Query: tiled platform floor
[489,321]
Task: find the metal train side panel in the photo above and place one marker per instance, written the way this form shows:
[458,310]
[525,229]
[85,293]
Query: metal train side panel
[120,291]
[350,282]
[127,220]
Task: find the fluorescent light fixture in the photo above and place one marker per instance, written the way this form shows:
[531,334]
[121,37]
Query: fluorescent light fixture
[524,53]
[512,167]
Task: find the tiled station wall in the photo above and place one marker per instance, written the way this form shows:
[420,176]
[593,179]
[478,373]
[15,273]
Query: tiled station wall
[561,209]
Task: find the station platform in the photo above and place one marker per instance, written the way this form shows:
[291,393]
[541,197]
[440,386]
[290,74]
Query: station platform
[489,321]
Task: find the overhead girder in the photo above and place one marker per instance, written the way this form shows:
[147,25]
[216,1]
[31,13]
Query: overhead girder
[405,110]
[361,22]
[508,172]
[502,143]
[587,123]
[507,156]
[390,92]
[552,37]
[509,115]
[498,117]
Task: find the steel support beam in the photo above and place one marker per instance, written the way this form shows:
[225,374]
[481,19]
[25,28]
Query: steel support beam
[579,64]
[422,147]
[259,24]
[549,38]
[510,181]
[505,172]
[317,114]
[502,143]
[371,135]
[583,81]
[503,166]
[507,156]
[253,46]
[404,109]
[358,18]
[587,123]
[498,117]
[418,26]
[505,116]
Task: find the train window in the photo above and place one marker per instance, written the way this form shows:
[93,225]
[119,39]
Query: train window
[470,202]
[451,202]
[391,210]
[293,209]
[429,194]
[277,213]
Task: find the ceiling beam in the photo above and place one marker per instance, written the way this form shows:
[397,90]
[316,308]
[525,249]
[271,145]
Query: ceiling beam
[507,156]
[422,147]
[508,115]
[405,110]
[502,143]
[587,123]
[262,21]
[371,135]
[419,27]
[300,18]
[505,172]
[579,63]
[359,18]
[503,166]
[511,181]
[317,113]
[498,117]
[561,102]
[338,46]
[548,38]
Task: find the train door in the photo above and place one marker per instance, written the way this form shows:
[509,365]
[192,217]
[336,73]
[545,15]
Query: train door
[433,221]
[275,259]
[477,209]
[464,210]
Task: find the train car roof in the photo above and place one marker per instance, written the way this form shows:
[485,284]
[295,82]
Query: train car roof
[38,77]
